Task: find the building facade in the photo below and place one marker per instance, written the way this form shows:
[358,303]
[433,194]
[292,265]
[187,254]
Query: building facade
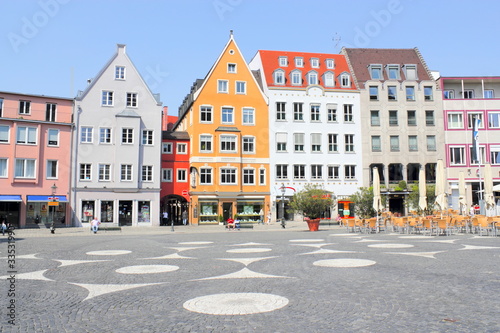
[226,118]
[117,148]
[466,99]
[315,125]
[35,150]
[401,116]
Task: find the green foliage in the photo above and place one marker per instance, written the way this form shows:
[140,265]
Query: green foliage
[414,196]
[401,186]
[363,203]
[312,201]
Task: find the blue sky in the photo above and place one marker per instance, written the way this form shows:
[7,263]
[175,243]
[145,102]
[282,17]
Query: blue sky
[52,47]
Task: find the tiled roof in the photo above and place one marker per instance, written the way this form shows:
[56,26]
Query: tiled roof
[270,63]
[360,59]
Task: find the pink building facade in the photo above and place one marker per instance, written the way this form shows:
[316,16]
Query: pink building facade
[35,155]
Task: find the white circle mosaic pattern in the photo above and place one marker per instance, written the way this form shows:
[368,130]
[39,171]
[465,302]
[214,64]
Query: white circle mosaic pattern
[236,303]
[306,240]
[344,263]
[196,243]
[108,252]
[249,250]
[391,246]
[147,269]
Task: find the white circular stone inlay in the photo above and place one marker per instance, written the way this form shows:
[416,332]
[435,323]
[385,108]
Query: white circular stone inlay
[415,237]
[249,250]
[147,269]
[306,240]
[108,252]
[391,246]
[345,263]
[196,243]
[235,303]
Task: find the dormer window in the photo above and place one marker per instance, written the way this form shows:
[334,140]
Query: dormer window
[314,62]
[376,72]
[411,72]
[329,79]
[231,68]
[345,80]
[393,72]
[283,61]
[330,64]
[296,78]
[279,77]
[299,62]
[312,78]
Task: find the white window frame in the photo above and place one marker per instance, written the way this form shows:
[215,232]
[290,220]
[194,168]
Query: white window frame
[206,143]
[281,142]
[316,171]
[86,134]
[299,62]
[166,148]
[126,172]
[333,172]
[279,77]
[298,111]
[393,69]
[52,166]
[395,144]
[120,72]
[312,78]
[333,143]
[281,171]
[479,115]
[296,78]
[298,142]
[147,137]
[31,169]
[349,143]
[314,62]
[132,100]
[166,175]
[283,61]
[493,119]
[262,176]
[241,87]
[248,116]
[248,145]
[147,173]
[449,94]
[299,171]
[280,111]
[4,134]
[315,112]
[228,172]
[349,172]
[428,93]
[181,148]
[127,136]
[248,177]
[376,69]
[107,98]
[332,113]
[348,113]
[373,91]
[461,155]
[204,173]
[50,112]
[104,172]
[345,80]
[376,143]
[316,142]
[459,124]
[24,107]
[50,134]
[85,172]
[410,96]
[228,141]
[227,115]
[223,86]
[4,167]
[468,94]
[411,72]
[30,133]
[330,63]
[232,68]
[488,93]
[413,143]
[392,93]
[329,79]
[206,111]
[105,135]
[430,142]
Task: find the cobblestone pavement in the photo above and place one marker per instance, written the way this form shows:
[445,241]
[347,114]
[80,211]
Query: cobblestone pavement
[206,279]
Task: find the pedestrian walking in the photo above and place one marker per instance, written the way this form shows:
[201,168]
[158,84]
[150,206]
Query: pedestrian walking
[268,218]
[184,217]
[165,218]
[94,224]
[4,227]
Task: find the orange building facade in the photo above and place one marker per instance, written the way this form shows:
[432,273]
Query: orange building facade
[226,118]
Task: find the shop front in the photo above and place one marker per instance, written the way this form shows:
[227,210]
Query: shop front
[42,210]
[10,209]
[215,211]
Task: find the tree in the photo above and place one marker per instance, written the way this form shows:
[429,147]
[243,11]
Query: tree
[312,201]
[363,203]
[413,199]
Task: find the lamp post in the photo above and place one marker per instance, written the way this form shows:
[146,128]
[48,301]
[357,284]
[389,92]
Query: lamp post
[52,226]
[283,205]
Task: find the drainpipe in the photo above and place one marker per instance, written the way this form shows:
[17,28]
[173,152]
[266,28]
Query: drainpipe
[74,141]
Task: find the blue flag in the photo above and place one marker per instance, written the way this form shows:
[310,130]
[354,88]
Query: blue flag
[475,139]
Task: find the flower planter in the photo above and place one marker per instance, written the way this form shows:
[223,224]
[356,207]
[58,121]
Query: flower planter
[313,224]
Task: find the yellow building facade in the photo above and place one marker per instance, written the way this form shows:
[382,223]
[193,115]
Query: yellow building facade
[226,116]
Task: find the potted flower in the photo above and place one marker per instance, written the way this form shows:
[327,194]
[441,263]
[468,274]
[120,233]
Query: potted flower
[312,201]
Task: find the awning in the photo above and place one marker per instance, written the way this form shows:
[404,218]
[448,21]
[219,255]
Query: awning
[45,198]
[12,198]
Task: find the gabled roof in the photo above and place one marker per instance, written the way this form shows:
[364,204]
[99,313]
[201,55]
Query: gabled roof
[361,58]
[270,63]
[119,49]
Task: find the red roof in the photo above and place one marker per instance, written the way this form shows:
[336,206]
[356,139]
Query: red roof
[270,62]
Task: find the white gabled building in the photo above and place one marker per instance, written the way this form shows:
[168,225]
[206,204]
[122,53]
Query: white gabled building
[117,148]
[314,124]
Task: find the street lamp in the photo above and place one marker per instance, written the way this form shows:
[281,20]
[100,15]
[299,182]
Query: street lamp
[283,189]
[52,226]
